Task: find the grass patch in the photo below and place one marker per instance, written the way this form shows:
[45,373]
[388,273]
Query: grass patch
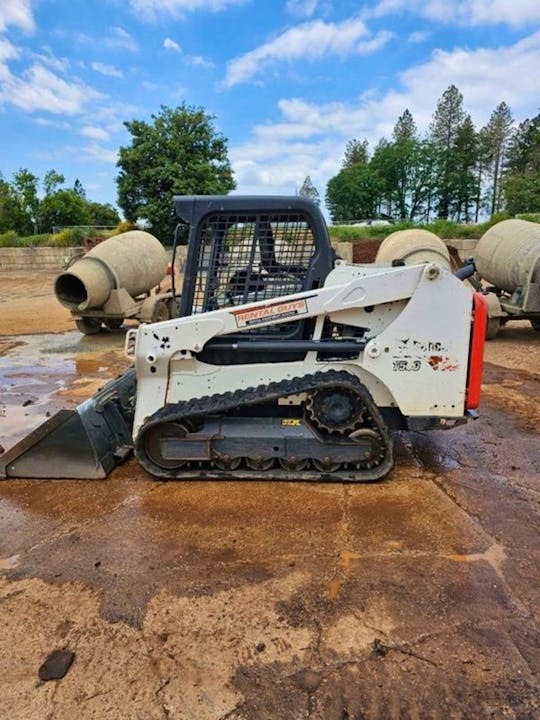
[445,229]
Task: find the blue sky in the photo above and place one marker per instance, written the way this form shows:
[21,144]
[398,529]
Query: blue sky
[289,81]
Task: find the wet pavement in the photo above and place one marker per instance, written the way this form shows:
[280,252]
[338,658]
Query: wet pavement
[416,597]
[40,374]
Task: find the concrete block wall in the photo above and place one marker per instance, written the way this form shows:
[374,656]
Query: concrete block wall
[464,246]
[53,259]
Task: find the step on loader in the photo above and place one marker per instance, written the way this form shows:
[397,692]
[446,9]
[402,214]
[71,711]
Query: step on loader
[285,363]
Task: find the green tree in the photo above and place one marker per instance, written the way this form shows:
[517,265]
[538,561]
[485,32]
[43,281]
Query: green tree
[524,147]
[102,214]
[179,152]
[79,189]
[11,215]
[447,120]
[522,191]
[466,150]
[405,169]
[62,208]
[356,151]
[308,190]
[384,165]
[498,132]
[51,181]
[354,193]
[25,188]
[522,180]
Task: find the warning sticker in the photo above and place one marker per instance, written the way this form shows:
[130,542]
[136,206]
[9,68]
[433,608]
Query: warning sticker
[274,311]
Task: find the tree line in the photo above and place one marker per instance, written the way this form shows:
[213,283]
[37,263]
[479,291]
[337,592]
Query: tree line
[455,172]
[31,207]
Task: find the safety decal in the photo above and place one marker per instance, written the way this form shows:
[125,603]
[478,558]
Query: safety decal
[273,311]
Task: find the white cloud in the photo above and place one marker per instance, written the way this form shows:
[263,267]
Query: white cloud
[198,61]
[152,9]
[121,39]
[169,44]
[7,51]
[40,89]
[108,70]
[378,41]
[95,133]
[302,8]
[310,139]
[465,12]
[309,41]
[48,122]
[18,13]
[100,154]
[48,58]
[418,37]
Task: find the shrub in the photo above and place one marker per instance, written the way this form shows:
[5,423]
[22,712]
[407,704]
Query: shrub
[445,229]
[496,218]
[122,227]
[9,239]
[352,233]
[70,237]
[34,240]
[531,217]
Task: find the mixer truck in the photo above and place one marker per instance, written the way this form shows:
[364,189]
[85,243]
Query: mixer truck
[116,280]
[507,258]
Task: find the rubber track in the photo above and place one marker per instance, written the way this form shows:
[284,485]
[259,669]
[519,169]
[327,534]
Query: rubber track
[219,404]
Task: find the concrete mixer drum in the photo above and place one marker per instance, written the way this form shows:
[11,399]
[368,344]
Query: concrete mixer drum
[118,279]
[507,257]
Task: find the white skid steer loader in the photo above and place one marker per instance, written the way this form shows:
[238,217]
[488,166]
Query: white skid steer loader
[285,363]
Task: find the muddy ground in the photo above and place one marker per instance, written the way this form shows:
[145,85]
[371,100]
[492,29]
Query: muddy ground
[416,597]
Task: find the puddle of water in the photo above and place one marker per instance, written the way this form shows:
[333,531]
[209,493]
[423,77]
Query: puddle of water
[431,456]
[40,374]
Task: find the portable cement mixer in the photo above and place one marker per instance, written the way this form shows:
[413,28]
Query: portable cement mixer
[114,281]
[507,257]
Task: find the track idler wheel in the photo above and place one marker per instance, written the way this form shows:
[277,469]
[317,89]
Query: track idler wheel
[224,462]
[293,464]
[259,463]
[326,465]
[152,444]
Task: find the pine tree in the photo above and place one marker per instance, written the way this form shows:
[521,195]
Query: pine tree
[466,151]
[79,189]
[498,132]
[309,191]
[522,180]
[356,152]
[447,120]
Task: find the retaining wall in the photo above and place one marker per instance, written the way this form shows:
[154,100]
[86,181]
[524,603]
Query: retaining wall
[52,259]
[55,259]
[37,258]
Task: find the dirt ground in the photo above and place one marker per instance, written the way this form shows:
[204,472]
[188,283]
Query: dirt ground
[416,597]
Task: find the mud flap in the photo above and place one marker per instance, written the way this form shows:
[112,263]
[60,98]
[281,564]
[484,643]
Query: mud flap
[85,443]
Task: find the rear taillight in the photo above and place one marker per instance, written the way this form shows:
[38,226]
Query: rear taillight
[476,351]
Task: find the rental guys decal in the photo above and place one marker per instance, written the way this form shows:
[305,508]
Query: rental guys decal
[273,311]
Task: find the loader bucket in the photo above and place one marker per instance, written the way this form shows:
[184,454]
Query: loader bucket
[85,443]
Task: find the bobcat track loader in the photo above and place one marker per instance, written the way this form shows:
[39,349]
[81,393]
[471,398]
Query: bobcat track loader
[285,363]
